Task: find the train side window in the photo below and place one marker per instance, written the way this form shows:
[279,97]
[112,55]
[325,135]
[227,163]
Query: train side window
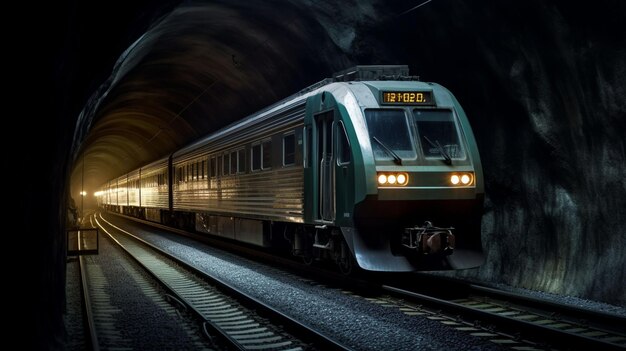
[219,165]
[289,149]
[256,157]
[233,162]
[343,152]
[267,154]
[203,167]
[241,160]
[213,167]
[226,165]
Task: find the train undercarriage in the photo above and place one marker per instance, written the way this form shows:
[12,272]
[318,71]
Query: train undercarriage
[377,248]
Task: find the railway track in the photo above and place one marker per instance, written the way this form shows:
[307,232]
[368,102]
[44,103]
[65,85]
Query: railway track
[518,321]
[86,305]
[107,321]
[240,321]
[511,320]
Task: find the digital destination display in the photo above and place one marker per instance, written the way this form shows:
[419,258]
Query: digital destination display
[408,97]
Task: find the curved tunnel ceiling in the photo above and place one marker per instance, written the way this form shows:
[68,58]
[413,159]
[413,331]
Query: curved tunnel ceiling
[199,68]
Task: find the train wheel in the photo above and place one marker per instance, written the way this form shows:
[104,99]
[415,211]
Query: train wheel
[346,265]
[308,260]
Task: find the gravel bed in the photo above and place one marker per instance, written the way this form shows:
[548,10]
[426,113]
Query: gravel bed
[73,317]
[144,320]
[352,320]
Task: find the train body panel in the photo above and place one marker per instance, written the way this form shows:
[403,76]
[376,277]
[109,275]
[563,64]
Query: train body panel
[122,191]
[382,173]
[154,185]
[134,188]
[251,169]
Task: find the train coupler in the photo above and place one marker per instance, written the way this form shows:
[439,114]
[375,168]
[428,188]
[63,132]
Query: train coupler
[428,239]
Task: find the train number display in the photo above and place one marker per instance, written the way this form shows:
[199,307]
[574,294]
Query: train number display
[408,97]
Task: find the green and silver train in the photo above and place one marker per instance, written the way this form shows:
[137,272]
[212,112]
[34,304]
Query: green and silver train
[370,168]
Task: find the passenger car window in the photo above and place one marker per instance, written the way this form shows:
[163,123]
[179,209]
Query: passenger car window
[289,149]
[267,155]
[256,157]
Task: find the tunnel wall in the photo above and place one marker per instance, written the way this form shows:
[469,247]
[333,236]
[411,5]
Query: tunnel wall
[544,86]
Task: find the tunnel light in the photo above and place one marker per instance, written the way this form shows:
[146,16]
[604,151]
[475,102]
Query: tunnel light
[83,193]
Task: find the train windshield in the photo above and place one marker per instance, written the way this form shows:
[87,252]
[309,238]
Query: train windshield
[389,135]
[438,134]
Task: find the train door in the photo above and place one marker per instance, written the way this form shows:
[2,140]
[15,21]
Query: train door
[325,159]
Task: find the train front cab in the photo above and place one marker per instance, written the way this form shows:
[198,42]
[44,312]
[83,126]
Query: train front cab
[381,223]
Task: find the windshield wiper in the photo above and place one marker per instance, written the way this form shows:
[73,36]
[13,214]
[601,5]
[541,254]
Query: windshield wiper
[396,159]
[446,158]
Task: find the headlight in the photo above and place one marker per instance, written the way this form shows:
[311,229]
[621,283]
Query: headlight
[402,179]
[465,178]
[454,179]
[382,179]
[393,179]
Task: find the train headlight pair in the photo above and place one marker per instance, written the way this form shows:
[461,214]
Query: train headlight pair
[461,179]
[387,179]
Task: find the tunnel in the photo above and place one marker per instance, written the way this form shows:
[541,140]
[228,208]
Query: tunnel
[542,83]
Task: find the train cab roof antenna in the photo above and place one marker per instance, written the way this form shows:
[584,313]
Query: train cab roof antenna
[374,72]
[365,73]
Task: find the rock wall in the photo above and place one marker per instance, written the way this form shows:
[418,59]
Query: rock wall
[544,86]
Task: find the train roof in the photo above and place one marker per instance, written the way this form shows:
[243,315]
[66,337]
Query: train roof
[377,76]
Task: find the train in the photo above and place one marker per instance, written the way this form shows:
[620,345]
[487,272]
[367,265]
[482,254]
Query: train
[371,170]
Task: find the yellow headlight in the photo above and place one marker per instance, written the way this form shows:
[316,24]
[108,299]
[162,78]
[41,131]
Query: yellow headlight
[391,179]
[466,179]
[402,179]
[455,179]
[382,179]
